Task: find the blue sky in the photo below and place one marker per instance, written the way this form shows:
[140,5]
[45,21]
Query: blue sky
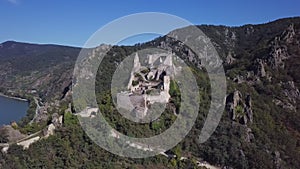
[73,22]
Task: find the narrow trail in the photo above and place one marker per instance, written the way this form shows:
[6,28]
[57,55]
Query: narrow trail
[18,141]
[145,147]
[36,110]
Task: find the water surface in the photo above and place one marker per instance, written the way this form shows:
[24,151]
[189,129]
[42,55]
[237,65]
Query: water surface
[11,110]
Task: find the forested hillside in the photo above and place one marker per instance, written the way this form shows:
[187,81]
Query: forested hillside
[259,127]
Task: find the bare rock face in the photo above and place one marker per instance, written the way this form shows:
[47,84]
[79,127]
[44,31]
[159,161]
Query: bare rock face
[239,79]
[230,59]
[57,120]
[277,160]
[239,109]
[41,112]
[230,37]
[260,68]
[284,105]
[248,108]
[12,134]
[55,123]
[291,92]
[249,137]
[277,56]
[279,51]
[249,30]
[49,130]
[291,95]
[233,100]
[289,34]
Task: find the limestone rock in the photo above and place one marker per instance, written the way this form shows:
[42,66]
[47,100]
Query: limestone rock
[229,58]
[289,34]
[239,79]
[25,144]
[291,91]
[56,120]
[260,68]
[290,97]
[49,130]
[249,30]
[249,135]
[233,100]
[248,108]
[4,150]
[284,105]
[279,51]
[239,109]
[12,134]
[277,160]
[277,56]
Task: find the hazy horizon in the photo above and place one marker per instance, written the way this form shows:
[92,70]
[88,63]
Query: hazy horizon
[72,23]
[137,38]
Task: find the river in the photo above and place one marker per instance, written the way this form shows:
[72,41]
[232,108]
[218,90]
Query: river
[11,110]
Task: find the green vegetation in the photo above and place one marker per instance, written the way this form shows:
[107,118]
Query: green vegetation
[239,110]
[135,82]
[32,128]
[175,94]
[274,128]
[145,71]
[29,115]
[139,77]
[3,136]
[70,119]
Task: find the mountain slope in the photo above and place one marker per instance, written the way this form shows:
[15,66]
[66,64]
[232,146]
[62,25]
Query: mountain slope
[260,126]
[46,68]
[261,63]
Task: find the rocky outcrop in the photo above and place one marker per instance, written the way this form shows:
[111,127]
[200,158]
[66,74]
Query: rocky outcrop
[290,97]
[26,141]
[88,112]
[49,130]
[260,68]
[25,144]
[239,109]
[249,30]
[291,91]
[229,58]
[57,120]
[249,136]
[41,113]
[277,160]
[288,34]
[55,123]
[230,37]
[277,56]
[12,134]
[233,100]
[239,79]
[279,52]
[248,108]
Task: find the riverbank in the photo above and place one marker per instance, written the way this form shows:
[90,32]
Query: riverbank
[12,109]
[13,97]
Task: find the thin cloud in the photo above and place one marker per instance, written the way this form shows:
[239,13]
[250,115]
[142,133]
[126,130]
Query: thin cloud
[13,1]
